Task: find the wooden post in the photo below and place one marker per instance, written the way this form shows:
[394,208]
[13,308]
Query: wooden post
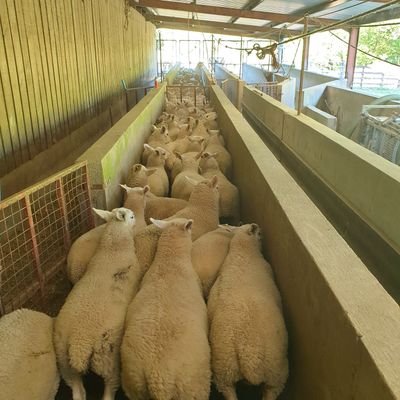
[351,56]
[303,64]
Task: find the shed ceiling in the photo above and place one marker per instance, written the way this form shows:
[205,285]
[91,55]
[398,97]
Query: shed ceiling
[258,18]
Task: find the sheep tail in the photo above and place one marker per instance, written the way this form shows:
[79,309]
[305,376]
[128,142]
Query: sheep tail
[80,352]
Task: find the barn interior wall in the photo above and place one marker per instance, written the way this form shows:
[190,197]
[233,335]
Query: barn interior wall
[61,67]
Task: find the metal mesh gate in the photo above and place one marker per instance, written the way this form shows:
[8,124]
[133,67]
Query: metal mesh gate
[37,227]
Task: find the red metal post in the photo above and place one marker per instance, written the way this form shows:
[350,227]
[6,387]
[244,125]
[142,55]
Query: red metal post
[88,197]
[35,246]
[351,56]
[63,208]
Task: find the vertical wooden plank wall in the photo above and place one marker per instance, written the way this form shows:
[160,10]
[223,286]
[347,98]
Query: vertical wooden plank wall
[61,63]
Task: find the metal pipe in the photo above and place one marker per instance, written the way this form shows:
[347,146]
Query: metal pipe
[303,64]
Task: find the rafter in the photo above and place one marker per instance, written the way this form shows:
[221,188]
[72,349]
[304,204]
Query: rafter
[219,31]
[213,24]
[232,12]
[249,6]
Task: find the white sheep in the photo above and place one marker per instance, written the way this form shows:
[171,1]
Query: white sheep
[158,182]
[138,175]
[229,193]
[88,330]
[188,144]
[208,254]
[247,331]
[28,368]
[188,165]
[158,137]
[202,207]
[162,207]
[199,129]
[135,200]
[165,351]
[223,157]
[83,249]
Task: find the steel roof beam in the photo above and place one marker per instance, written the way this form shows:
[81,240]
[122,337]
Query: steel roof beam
[232,12]
[215,24]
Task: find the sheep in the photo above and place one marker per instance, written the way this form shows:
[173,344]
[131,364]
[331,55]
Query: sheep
[189,167]
[162,207]
[83,249]
[165,351]
[188,144]
[88,330]
[222,155]
[135,201]
[138,175]
[229,194]
[216,133]
[208,254]
[174,128]
[158,182]
[199,129]
[159,137]
[209,120]
[247,331]
[203,208]
[28,368]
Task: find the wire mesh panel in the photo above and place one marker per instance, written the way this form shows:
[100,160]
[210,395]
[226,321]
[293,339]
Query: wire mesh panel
[37,227]
[193,93]
[271,89]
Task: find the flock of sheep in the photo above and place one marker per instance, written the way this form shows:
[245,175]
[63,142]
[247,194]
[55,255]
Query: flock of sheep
[165,300]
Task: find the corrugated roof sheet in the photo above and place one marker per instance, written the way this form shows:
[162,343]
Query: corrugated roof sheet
[347,10]
[223,3]
[251,21]
[285,7]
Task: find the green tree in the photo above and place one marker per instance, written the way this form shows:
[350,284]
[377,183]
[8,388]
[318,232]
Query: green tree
[382,41]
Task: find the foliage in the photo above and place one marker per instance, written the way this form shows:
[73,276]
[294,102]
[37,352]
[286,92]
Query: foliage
[383,41]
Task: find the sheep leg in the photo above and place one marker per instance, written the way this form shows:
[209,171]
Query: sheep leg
[78,390]
[229,393]
[109,390]
[72,378]
[270,393]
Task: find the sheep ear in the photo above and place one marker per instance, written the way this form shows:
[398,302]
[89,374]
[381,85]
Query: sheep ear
[150,171]
[253,229]
[191,180]
[159,223]
[213,154]
[188,225]
[198,155]
[153,127]
[178,155]
[227,227]
[104,214]
[146,189]
[214,181]
[137,167]
[127,188]
[148,147]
